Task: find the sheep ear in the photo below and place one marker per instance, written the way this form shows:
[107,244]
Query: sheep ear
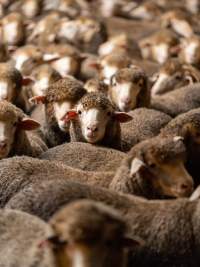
[196,194]
[71,115]
[136,165]
[132,242]
[28,124]
[122,117]
[27,81]
[37,99]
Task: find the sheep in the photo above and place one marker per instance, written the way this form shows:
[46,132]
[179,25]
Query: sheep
[28,241]
[122,42]
[173,75]
[26,58]
[95,121]
[190,50]
[68,58]
[111,63]
[13,29]
[192,6]
[29,8]
[14,140]
[129,89]
[158,46]
[179,21]
[87,33]
[146,11]
[85,156]
[187,125]
[43,76]
[146,123]
[96,85]
[139,173]
[169,228]
[60,98]
[178,101]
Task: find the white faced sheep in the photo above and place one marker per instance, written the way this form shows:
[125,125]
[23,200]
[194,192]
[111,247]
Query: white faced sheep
[60,98]
[178,101]
[169,228]
[148,171]
[158,46]
[190,50]
[28,241]
[13,29]
[173,75]
[95,121]
[14,140]
[146,123]
[129,89]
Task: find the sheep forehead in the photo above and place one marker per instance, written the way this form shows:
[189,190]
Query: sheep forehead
[94,100]
[9,111]
[132,75]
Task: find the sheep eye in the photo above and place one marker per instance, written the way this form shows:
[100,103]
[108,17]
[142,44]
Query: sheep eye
[15,124]
[152,165]
[79,112]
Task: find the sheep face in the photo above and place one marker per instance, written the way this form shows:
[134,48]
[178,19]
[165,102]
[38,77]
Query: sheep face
[124,91]
[7,90]
[165,82]
[26,58]
[93,122]
[31,8]
[43,76]
[109,8]
[12,29]
[60,110]
[70,7]
[193,6]
[8,130]
[169,178]
[86,231]
[65,66]
[190,51]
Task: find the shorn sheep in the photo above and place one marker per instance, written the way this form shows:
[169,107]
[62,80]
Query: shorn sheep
[150,172]
[66,240]
[170,228]
[14,140]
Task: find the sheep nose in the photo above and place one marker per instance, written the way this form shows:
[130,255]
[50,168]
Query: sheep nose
[93,128]
[186,188]
[126,101]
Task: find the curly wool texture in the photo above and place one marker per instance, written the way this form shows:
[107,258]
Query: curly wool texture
[162,149]
[153,221]
[85,156]
[65,89]
[96,100]
[20,236]
[146,123]
[177,125]
[178,101]
[10,112]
